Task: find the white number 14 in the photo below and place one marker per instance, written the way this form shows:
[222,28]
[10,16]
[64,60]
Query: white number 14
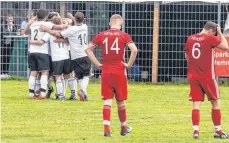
[114,46]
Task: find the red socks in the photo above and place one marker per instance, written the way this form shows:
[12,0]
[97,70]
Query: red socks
[106,117]
[195,119]
[122,116]
[216,117]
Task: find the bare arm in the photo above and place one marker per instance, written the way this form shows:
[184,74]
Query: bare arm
[223,45]
[60,27]
[70,16]
[90,54]
[22,31]
[27,28]
[61,40]
[51,32]
[133,55]
[41,42]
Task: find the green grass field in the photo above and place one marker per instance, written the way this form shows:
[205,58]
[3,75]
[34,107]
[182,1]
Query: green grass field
[157,113]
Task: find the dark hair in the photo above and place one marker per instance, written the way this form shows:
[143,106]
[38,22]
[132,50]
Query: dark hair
[57,20]
[34,13]
[51,15]
[210,26]
[41,14]
[79,16]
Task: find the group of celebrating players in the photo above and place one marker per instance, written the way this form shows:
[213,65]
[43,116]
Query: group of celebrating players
[56,49]
[52,39]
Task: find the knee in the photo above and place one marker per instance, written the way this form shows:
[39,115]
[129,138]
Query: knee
[108,102]
[196,105]
[215,104]
[120,103]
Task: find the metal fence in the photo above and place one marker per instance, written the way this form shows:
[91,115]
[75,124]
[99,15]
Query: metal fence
[177,20]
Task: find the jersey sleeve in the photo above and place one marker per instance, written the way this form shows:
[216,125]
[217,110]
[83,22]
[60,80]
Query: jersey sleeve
[214,41]
[96,40]
[46,37]
[49,25]
[128,39]
[69,32]
[23,25]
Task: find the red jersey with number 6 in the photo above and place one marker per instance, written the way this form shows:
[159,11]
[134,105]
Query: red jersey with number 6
[113,43]
[199,50]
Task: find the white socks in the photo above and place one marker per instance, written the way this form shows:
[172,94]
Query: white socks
[72,85]
[83,84]
[44,82]
[195,128]
[37,87]
[59,87]
[217,128]
[32,82]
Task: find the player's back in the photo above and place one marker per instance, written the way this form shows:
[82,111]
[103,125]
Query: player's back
[78,40]
[59,51]
[113,43]
[199,49]
[36,35]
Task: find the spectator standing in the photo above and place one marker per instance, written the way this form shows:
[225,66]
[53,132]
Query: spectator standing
[7,44]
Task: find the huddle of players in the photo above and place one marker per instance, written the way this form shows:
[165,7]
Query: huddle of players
[56,49]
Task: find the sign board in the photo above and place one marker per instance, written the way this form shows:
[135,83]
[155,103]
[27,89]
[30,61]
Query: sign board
[221,62]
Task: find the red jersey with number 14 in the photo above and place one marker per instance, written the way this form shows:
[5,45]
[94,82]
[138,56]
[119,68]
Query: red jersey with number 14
[113,43]
[199,50]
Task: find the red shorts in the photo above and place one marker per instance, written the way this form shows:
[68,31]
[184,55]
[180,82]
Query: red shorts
[203,86]
[113,85]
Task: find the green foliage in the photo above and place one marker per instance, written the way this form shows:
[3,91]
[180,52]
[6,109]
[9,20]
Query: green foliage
[157,113]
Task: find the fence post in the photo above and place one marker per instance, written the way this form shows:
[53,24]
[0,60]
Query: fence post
[43,5]
[62,9]
[218,21]
[219,12]
[155,43]
[123,15]
[30,10]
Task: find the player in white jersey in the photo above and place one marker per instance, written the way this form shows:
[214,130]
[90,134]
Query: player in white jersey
[60,59]
[81,65]
[38,57]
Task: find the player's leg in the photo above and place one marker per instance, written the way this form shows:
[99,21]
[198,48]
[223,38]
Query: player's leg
[58,68]
[197,96]
[59,88]
[38,85]
[84,74]
[212,91]
[72,83]
[69,79]
[32,83]
[196,118]
[50,88]
[83,83]
[107,117]
[44,67]
[107,94]
[32,78]
[120,84]
[44,83]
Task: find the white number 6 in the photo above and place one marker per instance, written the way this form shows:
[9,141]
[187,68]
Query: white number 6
[195,48]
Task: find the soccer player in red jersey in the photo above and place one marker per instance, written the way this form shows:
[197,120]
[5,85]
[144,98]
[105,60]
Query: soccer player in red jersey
[113,78]
[199,50]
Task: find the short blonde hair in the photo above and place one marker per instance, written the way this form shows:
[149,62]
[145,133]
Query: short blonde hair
[115,17]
